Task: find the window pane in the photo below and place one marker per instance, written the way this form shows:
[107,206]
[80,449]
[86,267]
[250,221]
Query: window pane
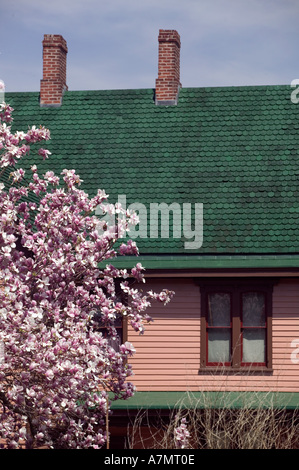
[254,345]
[219,309]
[253,309]
[115,342]
[118,322]
[219,345]
[2,352]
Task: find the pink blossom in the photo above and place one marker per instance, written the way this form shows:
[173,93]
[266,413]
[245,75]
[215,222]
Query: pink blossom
[44,153]
[57,364]
[181,435]
[127,348]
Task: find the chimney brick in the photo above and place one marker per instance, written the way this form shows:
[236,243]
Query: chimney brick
[168,81]
[53,83]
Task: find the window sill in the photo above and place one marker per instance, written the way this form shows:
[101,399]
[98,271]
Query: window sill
[255,370]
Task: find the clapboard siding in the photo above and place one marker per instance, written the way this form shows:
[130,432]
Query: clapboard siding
[168,354]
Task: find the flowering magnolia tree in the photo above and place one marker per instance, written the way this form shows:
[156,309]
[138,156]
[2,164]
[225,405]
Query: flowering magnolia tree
[58,309]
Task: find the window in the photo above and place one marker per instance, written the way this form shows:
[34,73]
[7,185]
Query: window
[121,330]
[120,323]
[236,323]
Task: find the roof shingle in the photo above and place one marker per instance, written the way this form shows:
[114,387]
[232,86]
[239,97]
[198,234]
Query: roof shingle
[233,149]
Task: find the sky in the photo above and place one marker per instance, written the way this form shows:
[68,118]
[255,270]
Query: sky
[114,44]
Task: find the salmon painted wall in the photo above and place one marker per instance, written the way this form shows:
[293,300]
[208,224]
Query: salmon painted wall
[168,354]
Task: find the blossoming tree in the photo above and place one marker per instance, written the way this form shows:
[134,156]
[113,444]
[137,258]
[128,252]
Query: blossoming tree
[56,365]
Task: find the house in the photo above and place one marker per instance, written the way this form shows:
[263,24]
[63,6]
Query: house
[214,174]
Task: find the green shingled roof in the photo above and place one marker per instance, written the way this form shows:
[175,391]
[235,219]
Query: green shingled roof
[234,149]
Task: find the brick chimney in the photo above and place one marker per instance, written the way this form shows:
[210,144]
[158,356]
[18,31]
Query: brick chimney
[168,81]
[53,83]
